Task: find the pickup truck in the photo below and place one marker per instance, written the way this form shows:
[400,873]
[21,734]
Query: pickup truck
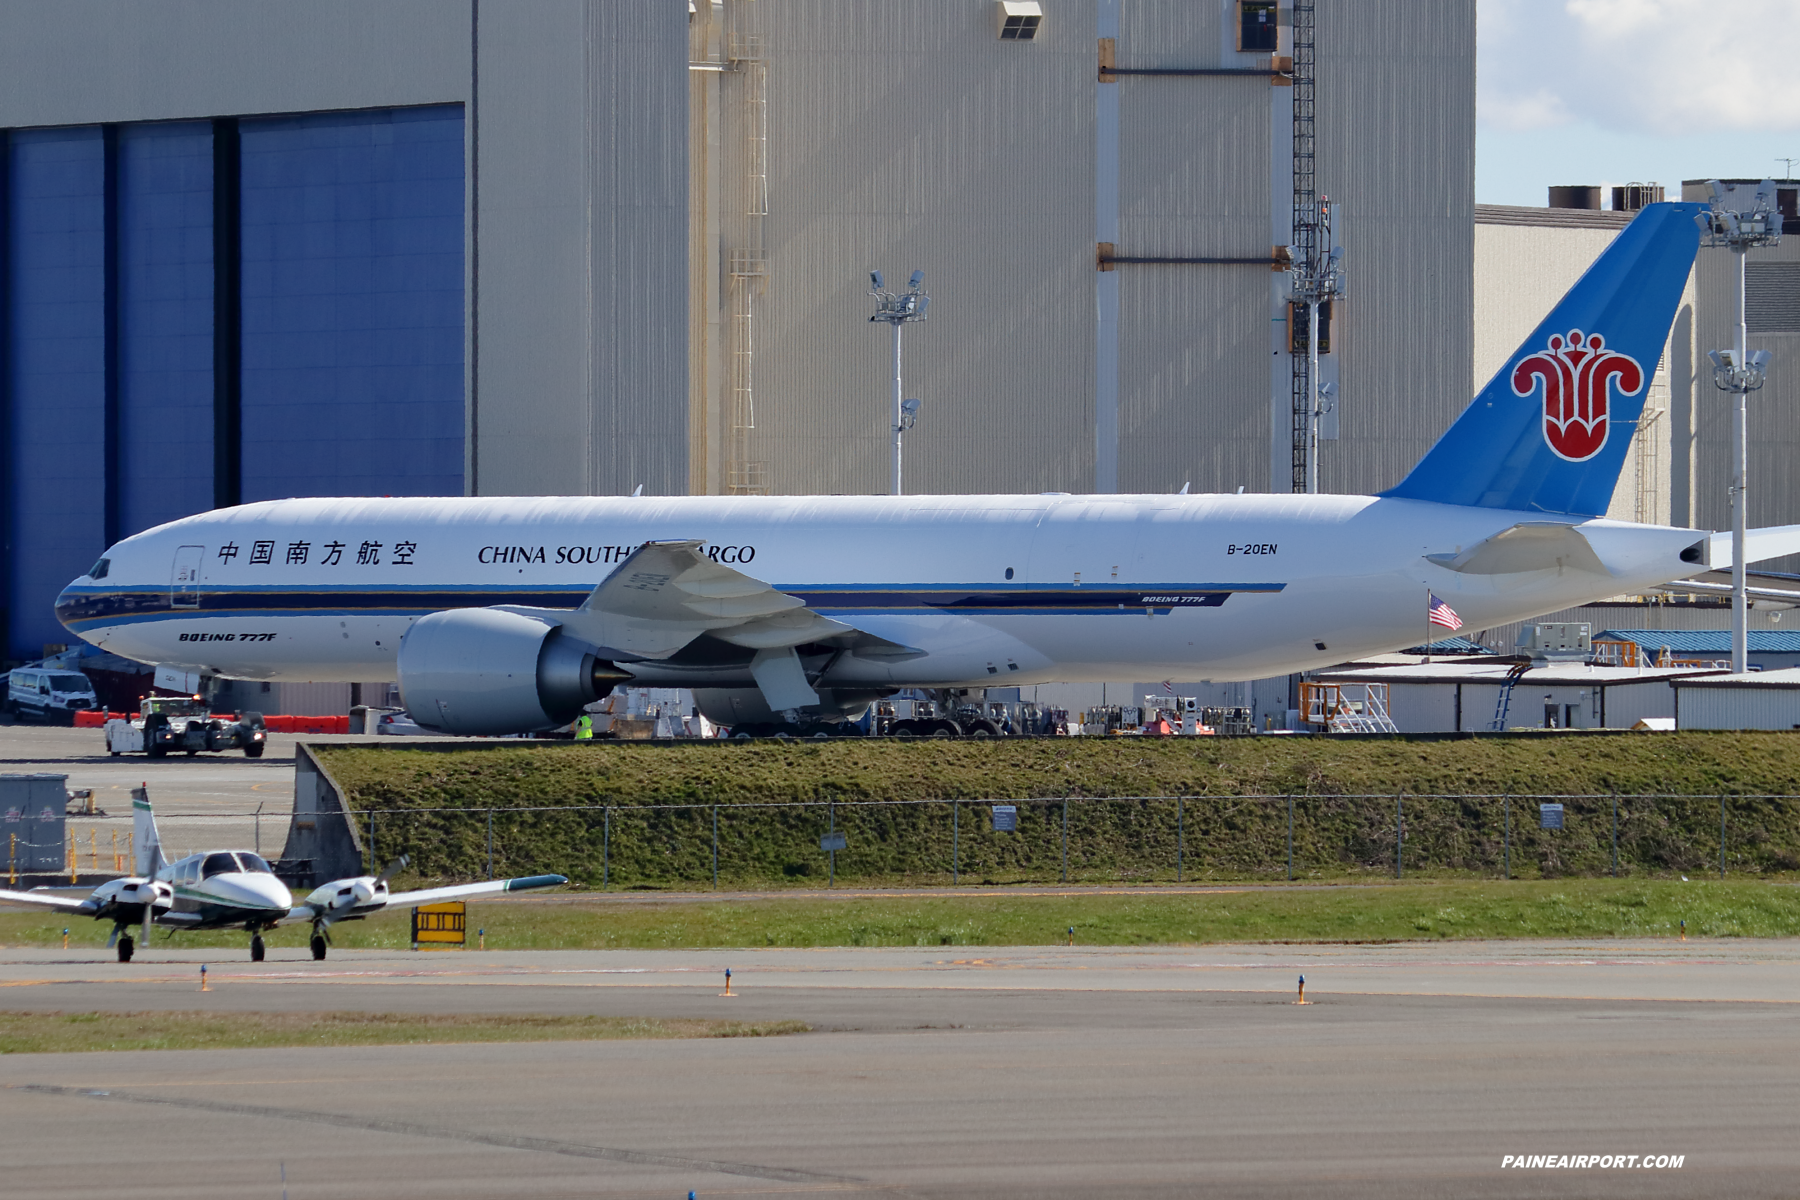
[169,723]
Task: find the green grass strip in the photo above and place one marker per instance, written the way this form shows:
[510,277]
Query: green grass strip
[65,1033]
[1567,908]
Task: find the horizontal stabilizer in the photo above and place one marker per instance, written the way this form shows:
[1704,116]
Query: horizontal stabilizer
[1775,541]
[1528,546]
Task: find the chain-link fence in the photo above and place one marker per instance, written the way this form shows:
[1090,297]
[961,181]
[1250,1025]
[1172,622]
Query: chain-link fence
[1126,839]
[101,845]
[1086,840]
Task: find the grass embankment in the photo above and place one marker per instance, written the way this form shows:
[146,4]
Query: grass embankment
[1216,831]
[41,1033]
[1573,908]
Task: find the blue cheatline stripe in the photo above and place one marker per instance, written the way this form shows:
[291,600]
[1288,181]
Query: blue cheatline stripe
[91,606]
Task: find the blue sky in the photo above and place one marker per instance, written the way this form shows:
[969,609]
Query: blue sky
[1621,91]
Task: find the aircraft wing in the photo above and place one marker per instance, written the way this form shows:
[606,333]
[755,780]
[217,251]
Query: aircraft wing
[86,907]
[464,891]
[458,891]
[666,594]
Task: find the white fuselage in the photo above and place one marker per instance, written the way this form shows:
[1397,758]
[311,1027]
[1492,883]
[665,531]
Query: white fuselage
[996,590]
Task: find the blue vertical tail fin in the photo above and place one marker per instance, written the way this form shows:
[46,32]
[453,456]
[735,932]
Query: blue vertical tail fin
[1550,430]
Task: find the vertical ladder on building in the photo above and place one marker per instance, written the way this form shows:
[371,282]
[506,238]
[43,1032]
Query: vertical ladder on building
[1504,703]
[749,268]
[1306,227]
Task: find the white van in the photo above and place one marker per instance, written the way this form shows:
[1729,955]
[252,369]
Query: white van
[49,693]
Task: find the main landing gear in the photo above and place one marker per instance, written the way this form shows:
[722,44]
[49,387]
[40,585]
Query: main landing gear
[126,946]
[318,945]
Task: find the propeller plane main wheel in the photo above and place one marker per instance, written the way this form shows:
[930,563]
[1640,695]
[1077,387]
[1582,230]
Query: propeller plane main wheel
[126,946]
[256,947]
[318,947]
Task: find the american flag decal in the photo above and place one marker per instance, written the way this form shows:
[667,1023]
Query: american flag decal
[1440,613]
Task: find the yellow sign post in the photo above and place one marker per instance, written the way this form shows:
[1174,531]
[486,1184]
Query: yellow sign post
[440,925]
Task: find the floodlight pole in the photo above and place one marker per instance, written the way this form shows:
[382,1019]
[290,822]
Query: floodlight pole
[897,309]
[898,488]
[1740,472]
[1735,371]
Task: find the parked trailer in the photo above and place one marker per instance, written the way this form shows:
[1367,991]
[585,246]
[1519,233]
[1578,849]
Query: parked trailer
[178,723]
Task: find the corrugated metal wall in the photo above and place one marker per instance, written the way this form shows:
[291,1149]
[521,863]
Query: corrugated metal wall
[579,126]
[1396,131]
[907,135]
[1739,707]
[1193,182]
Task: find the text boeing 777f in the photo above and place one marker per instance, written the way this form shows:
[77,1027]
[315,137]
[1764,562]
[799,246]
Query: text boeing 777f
[502,615]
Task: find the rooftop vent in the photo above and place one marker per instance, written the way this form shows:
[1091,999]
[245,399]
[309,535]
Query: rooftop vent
[1634,196]
[1576,196]
[1019,19]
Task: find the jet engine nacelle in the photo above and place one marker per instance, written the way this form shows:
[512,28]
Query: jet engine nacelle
[487,671]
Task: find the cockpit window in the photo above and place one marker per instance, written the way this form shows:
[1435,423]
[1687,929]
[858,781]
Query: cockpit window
[254,863]
[217,864]
[99,569]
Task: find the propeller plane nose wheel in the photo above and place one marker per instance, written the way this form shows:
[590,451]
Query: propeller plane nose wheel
[126,946]
[256,947]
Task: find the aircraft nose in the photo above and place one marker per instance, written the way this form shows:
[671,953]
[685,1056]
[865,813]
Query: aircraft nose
[72,606]
[255,890]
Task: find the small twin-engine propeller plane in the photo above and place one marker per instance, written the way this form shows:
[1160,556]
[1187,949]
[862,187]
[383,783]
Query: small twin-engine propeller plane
[225,889]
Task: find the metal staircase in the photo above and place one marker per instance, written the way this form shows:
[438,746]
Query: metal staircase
[1504,703]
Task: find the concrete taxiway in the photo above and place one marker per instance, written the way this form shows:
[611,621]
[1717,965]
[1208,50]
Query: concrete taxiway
[943,1072]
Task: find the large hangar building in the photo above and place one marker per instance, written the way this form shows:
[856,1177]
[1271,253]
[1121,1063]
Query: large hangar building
[565,247]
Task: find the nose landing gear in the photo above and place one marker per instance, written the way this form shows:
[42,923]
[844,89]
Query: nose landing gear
[256,947]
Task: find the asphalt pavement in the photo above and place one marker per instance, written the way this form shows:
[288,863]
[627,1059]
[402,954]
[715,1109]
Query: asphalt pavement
[1055,1072]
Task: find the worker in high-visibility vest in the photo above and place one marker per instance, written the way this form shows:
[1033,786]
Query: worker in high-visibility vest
[584,727]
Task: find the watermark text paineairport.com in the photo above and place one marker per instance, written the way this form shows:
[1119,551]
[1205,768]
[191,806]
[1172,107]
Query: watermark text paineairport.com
[1589,1162]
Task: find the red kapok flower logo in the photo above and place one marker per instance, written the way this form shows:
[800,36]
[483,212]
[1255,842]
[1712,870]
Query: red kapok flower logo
[1576,375]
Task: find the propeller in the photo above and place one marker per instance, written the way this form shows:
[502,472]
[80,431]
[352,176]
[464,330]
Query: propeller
[364,890]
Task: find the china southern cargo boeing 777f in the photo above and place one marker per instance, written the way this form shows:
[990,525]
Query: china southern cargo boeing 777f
[504,615]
